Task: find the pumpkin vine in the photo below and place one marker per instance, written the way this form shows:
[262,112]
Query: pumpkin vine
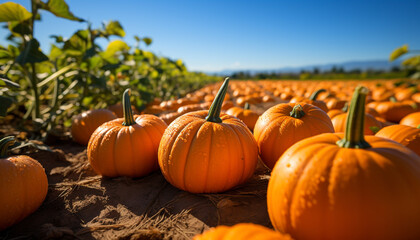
[5,143]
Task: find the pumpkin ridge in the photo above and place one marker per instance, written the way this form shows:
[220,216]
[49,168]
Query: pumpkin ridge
[168,150]
[209,158]
[242,151]
[115,139]
[324,149]
[95,135]
[189,148]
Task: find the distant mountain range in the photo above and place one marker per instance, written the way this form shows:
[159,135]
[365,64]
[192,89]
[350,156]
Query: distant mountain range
[347,66]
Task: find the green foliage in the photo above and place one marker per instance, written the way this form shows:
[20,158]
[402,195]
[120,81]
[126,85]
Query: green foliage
[412,64]
[77,74]
[10,12]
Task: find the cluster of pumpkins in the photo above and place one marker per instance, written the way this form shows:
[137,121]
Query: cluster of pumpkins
[342,166]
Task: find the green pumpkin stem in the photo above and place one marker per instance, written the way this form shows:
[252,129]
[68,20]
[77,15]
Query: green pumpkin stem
[247,106]
[393,99]
[315,94]
[5,143]
[418,126]
[128,113]
[354,134]
[216,106]
[297,111]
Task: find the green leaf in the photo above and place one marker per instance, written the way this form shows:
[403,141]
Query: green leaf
[5,103]
[9,83]
[11,11]
[147,40]
[398,52]
[113,48]
[31,53]
[4,54]
[58,39]
[55,52]
[60,9]
[412,62]
[21,28]
[89,53]
[137,38]
[98,82]
[114,28]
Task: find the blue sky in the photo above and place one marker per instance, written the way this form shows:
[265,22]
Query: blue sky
[212,35]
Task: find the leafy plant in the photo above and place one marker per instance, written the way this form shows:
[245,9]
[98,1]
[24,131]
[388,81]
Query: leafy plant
[412,63]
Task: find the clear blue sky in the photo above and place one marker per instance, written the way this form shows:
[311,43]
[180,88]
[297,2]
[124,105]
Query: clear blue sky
[211,35]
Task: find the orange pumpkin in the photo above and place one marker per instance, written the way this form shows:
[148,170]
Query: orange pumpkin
[126,146]
[241,231]
[406,135]
[208,152]
[23,186]
[84,124]
[412,119]
[248,116]
[346,186]
[312,100]
[283,125]
[394,111]
[371,124]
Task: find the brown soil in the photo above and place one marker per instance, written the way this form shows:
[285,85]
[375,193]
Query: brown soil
[82,205]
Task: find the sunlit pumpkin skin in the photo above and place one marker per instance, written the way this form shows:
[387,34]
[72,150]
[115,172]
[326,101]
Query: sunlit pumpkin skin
[241,231]
[406,135]
[84,124]
[249,117]
[394,111]
[23,186]
[371,124]
[126,146]
[334,112]
[346,186]
[412,120]
[207,156]
[275,130]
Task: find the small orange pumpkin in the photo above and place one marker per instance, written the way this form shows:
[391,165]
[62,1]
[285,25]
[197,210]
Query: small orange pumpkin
[248,116]
[126,146]
[84,124]
[335,186]
[406,135]
[23,185]
[206,151]
[371,124]
[283,125]
[241,231]
[312,100]
[412,120]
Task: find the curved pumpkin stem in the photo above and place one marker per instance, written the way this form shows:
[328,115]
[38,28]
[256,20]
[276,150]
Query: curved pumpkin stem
[354,136]
[128,113]
[247,106]
[5,143]
[316,93]
[297,111]
[216,106]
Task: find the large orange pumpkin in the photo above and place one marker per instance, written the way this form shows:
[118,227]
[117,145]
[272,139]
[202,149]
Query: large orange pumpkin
[406,135]
[241,231]
[335,186]
[23,186]
[207,152]
[126,146]
[84,124]
[283,125]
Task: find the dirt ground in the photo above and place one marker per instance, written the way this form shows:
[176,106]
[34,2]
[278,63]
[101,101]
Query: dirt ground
[82,205]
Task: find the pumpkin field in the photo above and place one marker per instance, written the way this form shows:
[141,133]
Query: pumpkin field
[122,143]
